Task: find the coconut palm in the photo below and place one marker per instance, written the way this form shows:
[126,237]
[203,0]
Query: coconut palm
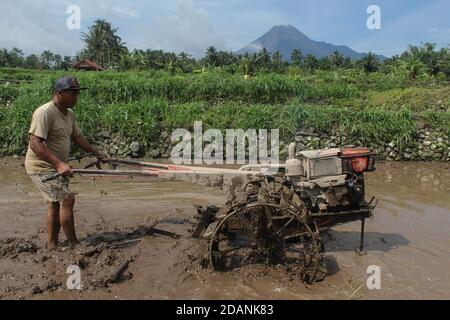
[277,60]
[413,66]
[263,57]
[47,59]
[296,57]
[103,45]
[336,59]
[370,62]
[212,58]
[311,62]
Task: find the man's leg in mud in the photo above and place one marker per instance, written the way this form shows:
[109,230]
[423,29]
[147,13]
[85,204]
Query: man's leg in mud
[53,225]
[67,219]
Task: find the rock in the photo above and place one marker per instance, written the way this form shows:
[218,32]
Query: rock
[105,134]
[154,154]
[135,146]
[427,142]
[302,133]
[391,144]
[164,135]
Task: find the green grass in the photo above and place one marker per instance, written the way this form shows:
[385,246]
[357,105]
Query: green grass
[8,92]
[417,99]
[139,105]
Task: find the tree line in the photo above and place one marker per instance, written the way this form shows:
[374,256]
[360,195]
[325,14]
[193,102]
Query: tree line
[105,47]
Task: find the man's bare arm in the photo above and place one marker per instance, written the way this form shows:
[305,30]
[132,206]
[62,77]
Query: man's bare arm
[87,147]
[40,148]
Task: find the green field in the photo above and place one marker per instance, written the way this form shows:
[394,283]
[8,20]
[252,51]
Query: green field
[374,107]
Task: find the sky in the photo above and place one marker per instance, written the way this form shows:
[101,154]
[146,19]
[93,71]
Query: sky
[193,25]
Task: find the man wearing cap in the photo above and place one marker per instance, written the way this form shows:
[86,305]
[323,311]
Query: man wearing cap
[53,126]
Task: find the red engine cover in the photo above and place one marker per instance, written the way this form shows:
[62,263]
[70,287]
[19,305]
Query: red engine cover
[359,158]
[355,151]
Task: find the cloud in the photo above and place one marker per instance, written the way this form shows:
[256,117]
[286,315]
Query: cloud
[127,12]
[187,29]
[41,25]
[34,28]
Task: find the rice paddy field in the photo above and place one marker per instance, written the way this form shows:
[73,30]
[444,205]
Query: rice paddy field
[140,105]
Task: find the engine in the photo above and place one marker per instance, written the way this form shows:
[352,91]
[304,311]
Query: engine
[329,180]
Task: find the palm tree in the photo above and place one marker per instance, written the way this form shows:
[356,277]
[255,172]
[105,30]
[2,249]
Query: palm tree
[31,62]
[264,58]
[57,61]
[370,62]
[212,57]
[47,59]
[277,60]
[248,64]
[103,45]
[413,66]
[138,59]
[296,57]
[311,62]
[66,63]
[185,61]
[336,59]
[13,58]
[125,61]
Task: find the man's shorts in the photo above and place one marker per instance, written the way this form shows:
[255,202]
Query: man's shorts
[54,190]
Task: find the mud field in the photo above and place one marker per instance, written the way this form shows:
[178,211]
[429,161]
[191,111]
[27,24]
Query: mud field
[120,258]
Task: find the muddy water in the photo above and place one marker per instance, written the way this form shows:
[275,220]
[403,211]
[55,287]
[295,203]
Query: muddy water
[408,238]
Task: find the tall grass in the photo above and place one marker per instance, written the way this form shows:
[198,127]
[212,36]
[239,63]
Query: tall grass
[138,106]
[211,86]
[8,92]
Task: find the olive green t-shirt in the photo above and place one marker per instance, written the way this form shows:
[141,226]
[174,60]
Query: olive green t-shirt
[57,130]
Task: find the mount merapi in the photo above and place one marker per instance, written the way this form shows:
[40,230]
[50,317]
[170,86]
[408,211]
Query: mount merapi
[286,38]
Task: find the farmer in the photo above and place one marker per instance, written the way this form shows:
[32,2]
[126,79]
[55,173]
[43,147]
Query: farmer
[52,127]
